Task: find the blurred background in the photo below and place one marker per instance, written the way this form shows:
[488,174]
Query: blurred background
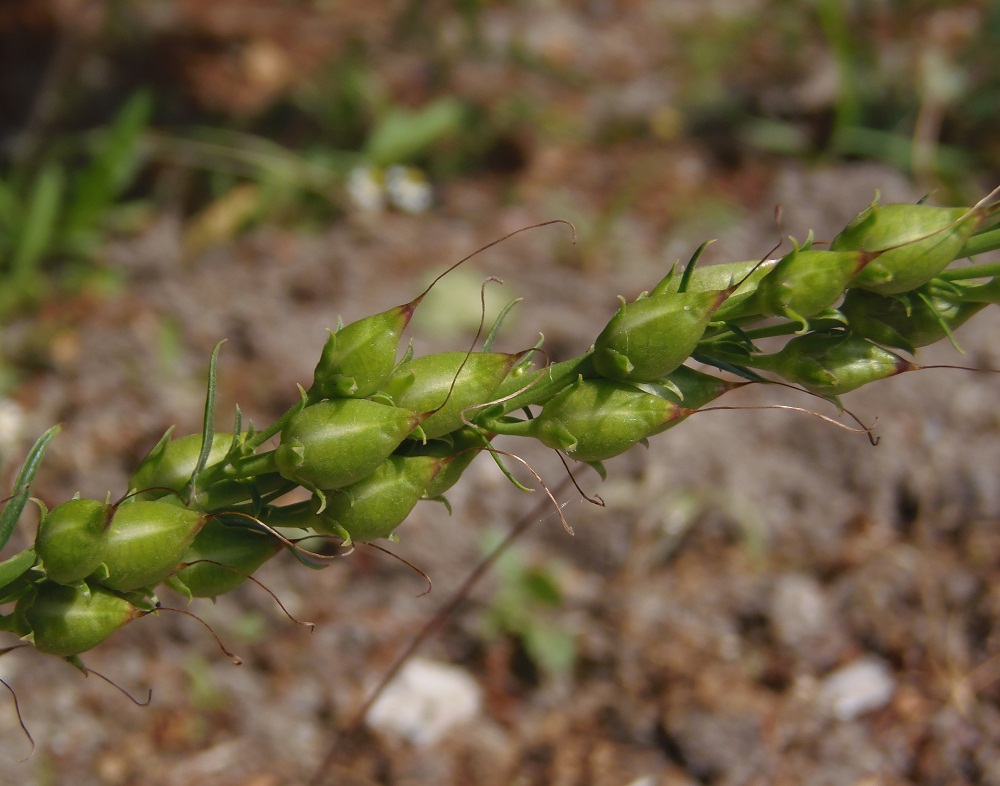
[174,172]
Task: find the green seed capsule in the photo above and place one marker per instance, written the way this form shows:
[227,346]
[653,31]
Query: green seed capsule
[654,335]
[66,621]
[833,363]
[338,442]
[216,549]
[696,388]
[596,419]
[923,317]
[170,463]
[917,241]
[806,282]
[374,506]
[423,384]
[146,542]
[456,451]
[526,385]
[72,539]
[358,358]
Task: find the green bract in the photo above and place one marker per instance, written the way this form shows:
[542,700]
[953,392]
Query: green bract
[374,506]
[145,543]
[651,337]
[917,242]
[72,539]
[335,443]
[358,358]
[425,384]
[66,621]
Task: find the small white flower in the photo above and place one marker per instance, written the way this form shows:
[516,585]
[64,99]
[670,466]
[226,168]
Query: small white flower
[366,188]
[408,189]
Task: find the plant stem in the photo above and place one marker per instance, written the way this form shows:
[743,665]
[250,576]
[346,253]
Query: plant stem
[249,467]
[981,243]
[977,271]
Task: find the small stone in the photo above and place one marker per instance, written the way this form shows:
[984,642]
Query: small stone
[804,622]
[861,686]
[799,610]
[425,701]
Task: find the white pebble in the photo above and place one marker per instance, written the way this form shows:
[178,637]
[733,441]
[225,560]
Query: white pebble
[861,686]
[425,701]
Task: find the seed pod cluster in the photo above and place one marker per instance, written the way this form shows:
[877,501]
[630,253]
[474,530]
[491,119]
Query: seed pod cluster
[374,435]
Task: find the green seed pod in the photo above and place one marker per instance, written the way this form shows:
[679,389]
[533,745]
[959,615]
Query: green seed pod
[423,385]
[651,337]
[696,388]
[358,358]
[170,463]
[833,363]
[527,385]
[66,621]
[917,242]
[916,319]
[72,539]
[146,542]
[216,549]
[456,450]
[374,506]
[806,282]
[338,442]
[596,419]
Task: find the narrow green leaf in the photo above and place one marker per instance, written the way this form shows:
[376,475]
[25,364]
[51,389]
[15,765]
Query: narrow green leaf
[12,569]
[111,168]
[208,427]
[39,222]
[498,323]
[401,135]
[15,505]
[689,269]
